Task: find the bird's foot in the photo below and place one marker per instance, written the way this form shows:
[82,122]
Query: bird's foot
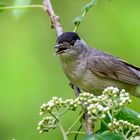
[76,89]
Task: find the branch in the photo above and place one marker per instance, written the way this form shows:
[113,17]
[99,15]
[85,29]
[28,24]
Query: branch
[55,21]
[87,123]
[85,9]
[21,7]
[55,24]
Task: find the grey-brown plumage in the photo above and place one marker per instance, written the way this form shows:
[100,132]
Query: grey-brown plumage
[92,70]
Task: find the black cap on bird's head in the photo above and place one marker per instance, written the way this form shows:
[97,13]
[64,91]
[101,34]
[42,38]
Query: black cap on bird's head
[68,37]
[66,40]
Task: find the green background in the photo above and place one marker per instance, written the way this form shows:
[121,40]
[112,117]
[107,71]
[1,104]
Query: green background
[29,73]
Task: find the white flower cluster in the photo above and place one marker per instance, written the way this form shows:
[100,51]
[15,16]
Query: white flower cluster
[120,98]
[55,102]
[125,127]
[135,138]
[103,103]
[72,104]
[94,105]
[97,107]
[46,123]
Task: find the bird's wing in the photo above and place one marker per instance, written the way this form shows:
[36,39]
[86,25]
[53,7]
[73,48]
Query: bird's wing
[114,68]
[135,69]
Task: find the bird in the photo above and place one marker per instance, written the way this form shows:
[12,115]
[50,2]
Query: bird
[92,70]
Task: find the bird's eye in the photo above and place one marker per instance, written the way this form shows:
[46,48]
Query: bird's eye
[72,42]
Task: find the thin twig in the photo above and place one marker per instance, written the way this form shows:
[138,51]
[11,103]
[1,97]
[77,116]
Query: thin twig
[55,21]
[77,132]
[79,19]
[78,24]
[21,7]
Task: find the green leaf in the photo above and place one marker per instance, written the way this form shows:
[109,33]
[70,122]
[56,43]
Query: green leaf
[2,4]
[129,115]
[89,5]
[124,114]
[77,20]
[107,135]
[18,12]
[97,125]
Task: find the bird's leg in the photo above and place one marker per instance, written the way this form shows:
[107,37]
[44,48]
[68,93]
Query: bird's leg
[87,124]
[76,89]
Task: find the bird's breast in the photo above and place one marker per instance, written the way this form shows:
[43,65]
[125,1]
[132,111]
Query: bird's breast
[79,75]
[74,71]
[82,77]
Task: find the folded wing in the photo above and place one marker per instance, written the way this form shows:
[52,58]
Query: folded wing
[114,68]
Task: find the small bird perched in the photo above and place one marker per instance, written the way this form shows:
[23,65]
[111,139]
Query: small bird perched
[92,70]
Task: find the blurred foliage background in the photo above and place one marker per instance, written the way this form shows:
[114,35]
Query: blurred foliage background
[31,75]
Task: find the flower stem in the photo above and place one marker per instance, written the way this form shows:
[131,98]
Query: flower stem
[81,115]
[21,7]
[63,132]
[113,114]
[102,120]
[75,138]
[54,116]
[77,132]
[60,126]
[109,115]
[64,111]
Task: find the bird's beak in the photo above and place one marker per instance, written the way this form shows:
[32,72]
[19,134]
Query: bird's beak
[60,48]
[57,46]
